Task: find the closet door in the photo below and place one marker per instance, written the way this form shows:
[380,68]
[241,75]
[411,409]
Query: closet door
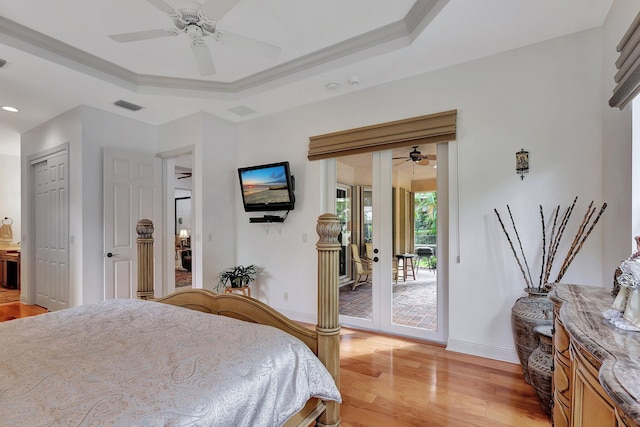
[52,231]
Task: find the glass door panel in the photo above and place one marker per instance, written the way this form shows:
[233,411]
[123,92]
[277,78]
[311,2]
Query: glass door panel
[355,296]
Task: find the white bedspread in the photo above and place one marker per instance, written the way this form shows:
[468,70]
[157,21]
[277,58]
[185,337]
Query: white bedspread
[139,363]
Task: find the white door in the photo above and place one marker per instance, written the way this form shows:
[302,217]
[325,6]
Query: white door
[376,218]
[51,232]
[132,191]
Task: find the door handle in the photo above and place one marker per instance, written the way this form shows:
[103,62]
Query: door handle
[375,251]
[375,259]
[109,254]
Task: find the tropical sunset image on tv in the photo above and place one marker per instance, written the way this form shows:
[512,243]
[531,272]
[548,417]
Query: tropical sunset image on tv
[268,185]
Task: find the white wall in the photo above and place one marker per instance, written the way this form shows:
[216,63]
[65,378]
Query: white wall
[619,225]
[215,183]
[10,193]
[100,130]
[87,131]
[64,129]
[545,98]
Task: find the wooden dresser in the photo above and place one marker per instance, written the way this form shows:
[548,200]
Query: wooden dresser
[596,376]
[10,260]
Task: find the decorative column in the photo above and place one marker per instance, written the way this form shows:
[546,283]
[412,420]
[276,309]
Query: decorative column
[145,259]
[328,327]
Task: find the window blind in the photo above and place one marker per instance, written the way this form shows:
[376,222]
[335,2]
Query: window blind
[628,65]
[432,128]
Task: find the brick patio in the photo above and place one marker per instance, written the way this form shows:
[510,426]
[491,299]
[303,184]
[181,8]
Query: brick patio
[414,301]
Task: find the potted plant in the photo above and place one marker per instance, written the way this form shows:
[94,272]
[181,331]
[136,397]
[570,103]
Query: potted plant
[237,277]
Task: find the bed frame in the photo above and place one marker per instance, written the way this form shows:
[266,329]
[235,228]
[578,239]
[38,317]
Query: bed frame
[324,341]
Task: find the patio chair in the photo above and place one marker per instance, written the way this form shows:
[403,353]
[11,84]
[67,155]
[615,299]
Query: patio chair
[363,268]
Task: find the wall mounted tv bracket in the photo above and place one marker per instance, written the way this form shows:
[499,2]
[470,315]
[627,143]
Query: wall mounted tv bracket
[268,218]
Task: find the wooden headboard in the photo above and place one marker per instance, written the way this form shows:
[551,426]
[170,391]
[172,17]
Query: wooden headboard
[243,308]
[324,341]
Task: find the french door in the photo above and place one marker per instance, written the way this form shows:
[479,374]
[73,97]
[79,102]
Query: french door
[381,206]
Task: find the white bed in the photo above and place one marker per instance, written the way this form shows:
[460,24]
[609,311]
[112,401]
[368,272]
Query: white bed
[134,362]
[192,358]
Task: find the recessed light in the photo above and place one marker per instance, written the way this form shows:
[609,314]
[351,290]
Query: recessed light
[10,108]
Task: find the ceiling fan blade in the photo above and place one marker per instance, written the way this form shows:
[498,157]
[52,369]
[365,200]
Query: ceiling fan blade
[214,10]
[142,35]
[248,44]
[202,54]
[426,158]
[163,6]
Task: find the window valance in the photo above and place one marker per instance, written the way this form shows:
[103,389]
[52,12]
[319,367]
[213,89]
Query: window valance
[628,65]
[432,128]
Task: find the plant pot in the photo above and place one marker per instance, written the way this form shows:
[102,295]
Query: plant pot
[529,311]
[539,364]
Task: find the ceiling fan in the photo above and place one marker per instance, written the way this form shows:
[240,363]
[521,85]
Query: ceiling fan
[199,21]
[418,158]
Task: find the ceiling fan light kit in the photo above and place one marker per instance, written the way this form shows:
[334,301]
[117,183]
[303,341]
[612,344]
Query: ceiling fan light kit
[193,19]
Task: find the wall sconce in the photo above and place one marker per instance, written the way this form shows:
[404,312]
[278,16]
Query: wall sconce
[522,163]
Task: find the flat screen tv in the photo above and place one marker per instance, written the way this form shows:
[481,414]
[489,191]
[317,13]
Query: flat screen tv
[267,187]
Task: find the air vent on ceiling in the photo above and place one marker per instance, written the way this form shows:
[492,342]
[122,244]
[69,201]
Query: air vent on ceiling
[242,110]
[2,63]
[127,105]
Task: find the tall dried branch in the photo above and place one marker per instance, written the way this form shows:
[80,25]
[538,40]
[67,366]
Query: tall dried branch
[549,260]
[562,227]
[515,255]
[584,238]
[544,245]
[524,257]
[579,233]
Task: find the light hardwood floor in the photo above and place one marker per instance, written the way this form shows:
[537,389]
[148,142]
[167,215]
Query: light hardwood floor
[394,382]
[390,381]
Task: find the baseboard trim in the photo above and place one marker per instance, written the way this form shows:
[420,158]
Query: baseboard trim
[488,351]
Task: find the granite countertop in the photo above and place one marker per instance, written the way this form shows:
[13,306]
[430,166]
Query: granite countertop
[618,350]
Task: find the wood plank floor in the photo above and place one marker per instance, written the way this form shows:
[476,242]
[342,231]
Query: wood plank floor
[396,382]
[15,310]
[391,381]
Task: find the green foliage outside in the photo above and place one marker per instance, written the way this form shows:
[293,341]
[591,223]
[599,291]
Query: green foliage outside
[426,218]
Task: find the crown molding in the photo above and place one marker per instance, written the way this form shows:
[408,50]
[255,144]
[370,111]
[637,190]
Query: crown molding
[381,40]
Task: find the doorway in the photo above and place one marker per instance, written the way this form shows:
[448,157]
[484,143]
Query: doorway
[180,211]
[394,287]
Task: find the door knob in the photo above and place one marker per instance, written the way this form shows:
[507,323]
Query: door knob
[375,259]
[375,251]
[109,255]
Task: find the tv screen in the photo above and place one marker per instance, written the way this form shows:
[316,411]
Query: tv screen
[267,187]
